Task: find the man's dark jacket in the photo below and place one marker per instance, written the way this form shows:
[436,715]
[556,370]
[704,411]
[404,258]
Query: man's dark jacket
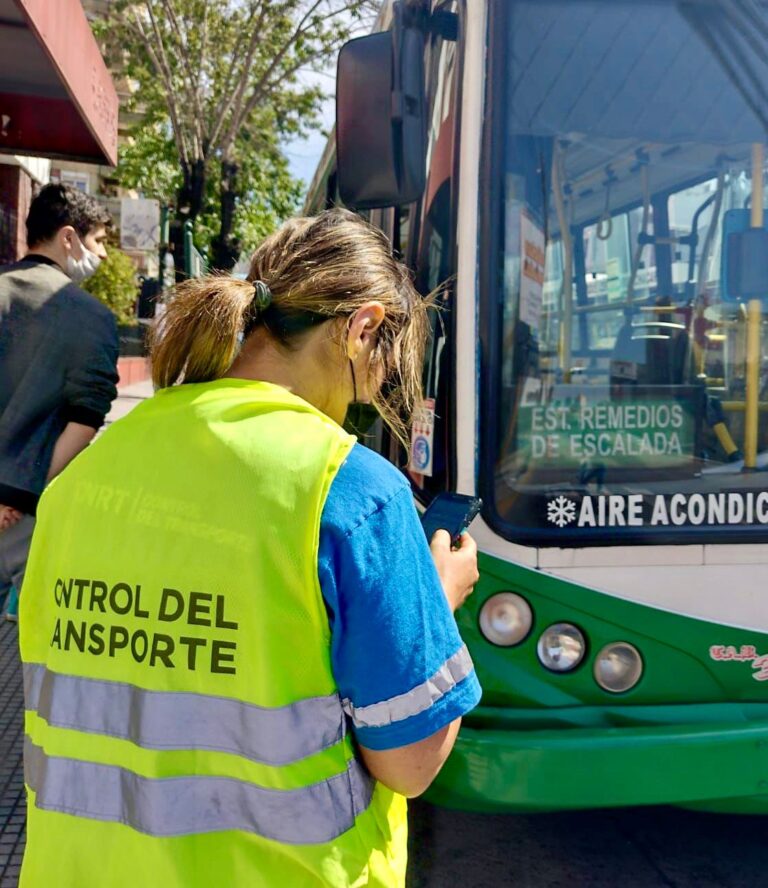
[58,358]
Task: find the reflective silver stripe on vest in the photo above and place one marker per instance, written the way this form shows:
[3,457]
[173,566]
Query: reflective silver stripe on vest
[454,670]
[180,720]
[177,806]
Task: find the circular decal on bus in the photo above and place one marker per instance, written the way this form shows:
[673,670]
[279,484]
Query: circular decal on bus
[420,452]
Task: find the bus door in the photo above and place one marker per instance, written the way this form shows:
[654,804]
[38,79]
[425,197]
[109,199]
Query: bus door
[423,233]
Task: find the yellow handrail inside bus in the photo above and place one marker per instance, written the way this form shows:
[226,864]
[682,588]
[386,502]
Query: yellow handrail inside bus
[754,322]
[740,406]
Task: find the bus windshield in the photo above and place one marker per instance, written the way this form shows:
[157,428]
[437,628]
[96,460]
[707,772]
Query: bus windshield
[629,390]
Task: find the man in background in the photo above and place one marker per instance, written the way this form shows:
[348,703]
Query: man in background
[58,360]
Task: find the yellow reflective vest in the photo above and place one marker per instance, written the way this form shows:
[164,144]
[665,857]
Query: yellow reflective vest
[182,724]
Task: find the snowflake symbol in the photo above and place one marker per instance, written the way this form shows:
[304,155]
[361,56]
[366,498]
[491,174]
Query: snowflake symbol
[561,511]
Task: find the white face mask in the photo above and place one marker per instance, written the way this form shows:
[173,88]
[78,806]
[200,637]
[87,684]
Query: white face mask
[85,266]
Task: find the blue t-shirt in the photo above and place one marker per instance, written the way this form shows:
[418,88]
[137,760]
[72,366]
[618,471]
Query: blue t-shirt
[397,656]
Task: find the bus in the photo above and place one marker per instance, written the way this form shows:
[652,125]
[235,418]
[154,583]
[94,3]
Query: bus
[581,184]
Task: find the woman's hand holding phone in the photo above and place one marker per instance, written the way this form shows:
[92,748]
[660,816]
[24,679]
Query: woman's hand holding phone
[456,566]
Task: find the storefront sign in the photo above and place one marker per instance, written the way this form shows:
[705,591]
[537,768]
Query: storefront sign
[139,224]
[626,433]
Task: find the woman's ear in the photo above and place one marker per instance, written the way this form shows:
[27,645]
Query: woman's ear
[362,327]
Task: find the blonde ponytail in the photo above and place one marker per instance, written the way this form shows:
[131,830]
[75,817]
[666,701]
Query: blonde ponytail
[198,335]
[311,271]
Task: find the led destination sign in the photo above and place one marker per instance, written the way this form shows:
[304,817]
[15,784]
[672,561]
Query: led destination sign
[615,433]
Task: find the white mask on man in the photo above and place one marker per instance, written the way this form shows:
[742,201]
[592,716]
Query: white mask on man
[85,266]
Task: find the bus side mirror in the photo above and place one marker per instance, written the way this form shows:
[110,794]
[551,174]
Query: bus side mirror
[380,118]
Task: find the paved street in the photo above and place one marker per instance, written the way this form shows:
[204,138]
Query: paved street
[635,848]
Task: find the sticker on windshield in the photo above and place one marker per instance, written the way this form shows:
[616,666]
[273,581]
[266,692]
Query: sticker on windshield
[422,434]
[532,258]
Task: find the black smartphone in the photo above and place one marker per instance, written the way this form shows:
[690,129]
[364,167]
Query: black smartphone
[453,512]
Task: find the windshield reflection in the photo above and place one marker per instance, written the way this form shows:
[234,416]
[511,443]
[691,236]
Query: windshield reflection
[635,268]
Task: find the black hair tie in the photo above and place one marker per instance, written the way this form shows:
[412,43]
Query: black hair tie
[262,296]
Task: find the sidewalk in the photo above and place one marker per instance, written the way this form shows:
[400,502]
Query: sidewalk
[13,805]
[127,398]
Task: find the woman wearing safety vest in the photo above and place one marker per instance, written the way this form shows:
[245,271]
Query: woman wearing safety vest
[239,653]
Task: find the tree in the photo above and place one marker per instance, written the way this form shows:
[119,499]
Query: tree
[219,83]
[269,194]
[114,284]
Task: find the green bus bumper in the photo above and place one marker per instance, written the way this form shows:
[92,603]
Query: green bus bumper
[713,766]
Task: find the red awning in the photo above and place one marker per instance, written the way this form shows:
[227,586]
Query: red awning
[57,98]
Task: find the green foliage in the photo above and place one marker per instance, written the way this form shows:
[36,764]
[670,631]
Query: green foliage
[149,162]
[266,195]
[218,82]
[115,284]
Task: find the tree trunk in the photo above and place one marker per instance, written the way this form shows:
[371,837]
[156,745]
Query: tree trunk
[189,203]
[226,247]
[192,191]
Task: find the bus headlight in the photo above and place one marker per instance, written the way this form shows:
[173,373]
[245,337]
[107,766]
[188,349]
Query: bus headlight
[618,667]
[561,647]
[505,619]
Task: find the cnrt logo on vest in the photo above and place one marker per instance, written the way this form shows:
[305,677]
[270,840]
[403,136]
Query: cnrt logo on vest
[660,510]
